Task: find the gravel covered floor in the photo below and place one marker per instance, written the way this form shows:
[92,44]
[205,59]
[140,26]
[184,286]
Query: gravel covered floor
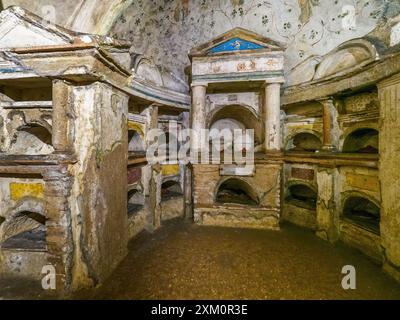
[185,261]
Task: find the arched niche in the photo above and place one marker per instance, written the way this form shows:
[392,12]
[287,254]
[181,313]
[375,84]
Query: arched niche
[135,141]
[171,189]
[236,117]
[304,141]
[234,190]
[135,201]
[363,212]
[25,230]
[32,139]
[363,140]
[302,195]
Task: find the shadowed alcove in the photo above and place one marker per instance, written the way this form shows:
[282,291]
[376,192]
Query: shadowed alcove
[135,142]
[170,189]
[236,191]
[32,139]
[302,196]
[135,201]
[26,231]
[304,141]
[236,117]
[362,141]
[362,212]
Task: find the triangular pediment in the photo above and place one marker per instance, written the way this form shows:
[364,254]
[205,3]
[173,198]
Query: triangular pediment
[236,40]
[20,29]
[236,44]
[8,65]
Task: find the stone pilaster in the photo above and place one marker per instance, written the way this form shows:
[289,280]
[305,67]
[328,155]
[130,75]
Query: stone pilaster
[151,119]
[389,173]
[327,211]
[198,114]
[153,199]
[272,117]
[188,192]
[62,117]
[58,185]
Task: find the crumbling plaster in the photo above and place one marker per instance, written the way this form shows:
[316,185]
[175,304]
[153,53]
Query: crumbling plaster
[98,199]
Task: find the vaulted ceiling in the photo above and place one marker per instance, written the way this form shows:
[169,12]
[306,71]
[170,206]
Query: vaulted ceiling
[165,30]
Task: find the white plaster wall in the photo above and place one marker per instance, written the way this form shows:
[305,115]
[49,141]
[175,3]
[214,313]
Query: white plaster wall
[248,99]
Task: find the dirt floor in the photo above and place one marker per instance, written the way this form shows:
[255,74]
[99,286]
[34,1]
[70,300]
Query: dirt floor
[185,261]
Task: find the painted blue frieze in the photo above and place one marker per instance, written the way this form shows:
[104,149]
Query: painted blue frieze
[235,44]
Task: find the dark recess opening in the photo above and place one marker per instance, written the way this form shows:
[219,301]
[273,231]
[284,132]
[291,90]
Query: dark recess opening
[306,142]
[302,196]
[170,189]
[236,191]
[135,202]
[363,212]
[38,131]
[34,239]
[362,141]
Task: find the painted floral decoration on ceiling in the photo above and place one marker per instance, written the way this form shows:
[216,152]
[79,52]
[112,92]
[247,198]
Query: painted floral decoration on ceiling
[166,30]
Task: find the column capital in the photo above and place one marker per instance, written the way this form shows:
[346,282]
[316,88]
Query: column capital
[393,80]
[274,81]
[326,101]
[155,105]
[199,84]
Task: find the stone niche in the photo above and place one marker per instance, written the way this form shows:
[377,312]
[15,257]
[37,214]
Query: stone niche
[236,80]
[237,201]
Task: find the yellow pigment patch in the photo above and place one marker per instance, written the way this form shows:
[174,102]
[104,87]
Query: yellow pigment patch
[21,190]
[364,182]
[170,169]
[137,127]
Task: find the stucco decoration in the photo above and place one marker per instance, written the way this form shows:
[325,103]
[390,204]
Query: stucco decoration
[348,55]
[303,72]
[307,27]
[395,33]
[146,70]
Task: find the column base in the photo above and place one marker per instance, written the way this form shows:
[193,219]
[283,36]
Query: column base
[329,148]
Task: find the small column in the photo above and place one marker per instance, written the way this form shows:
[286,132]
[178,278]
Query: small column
[198,114]
[188,192]
[61,137]
[152,176]
[58,184]
[272,117]
[327,208]
[329,125]
[153,199]
[151,118]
